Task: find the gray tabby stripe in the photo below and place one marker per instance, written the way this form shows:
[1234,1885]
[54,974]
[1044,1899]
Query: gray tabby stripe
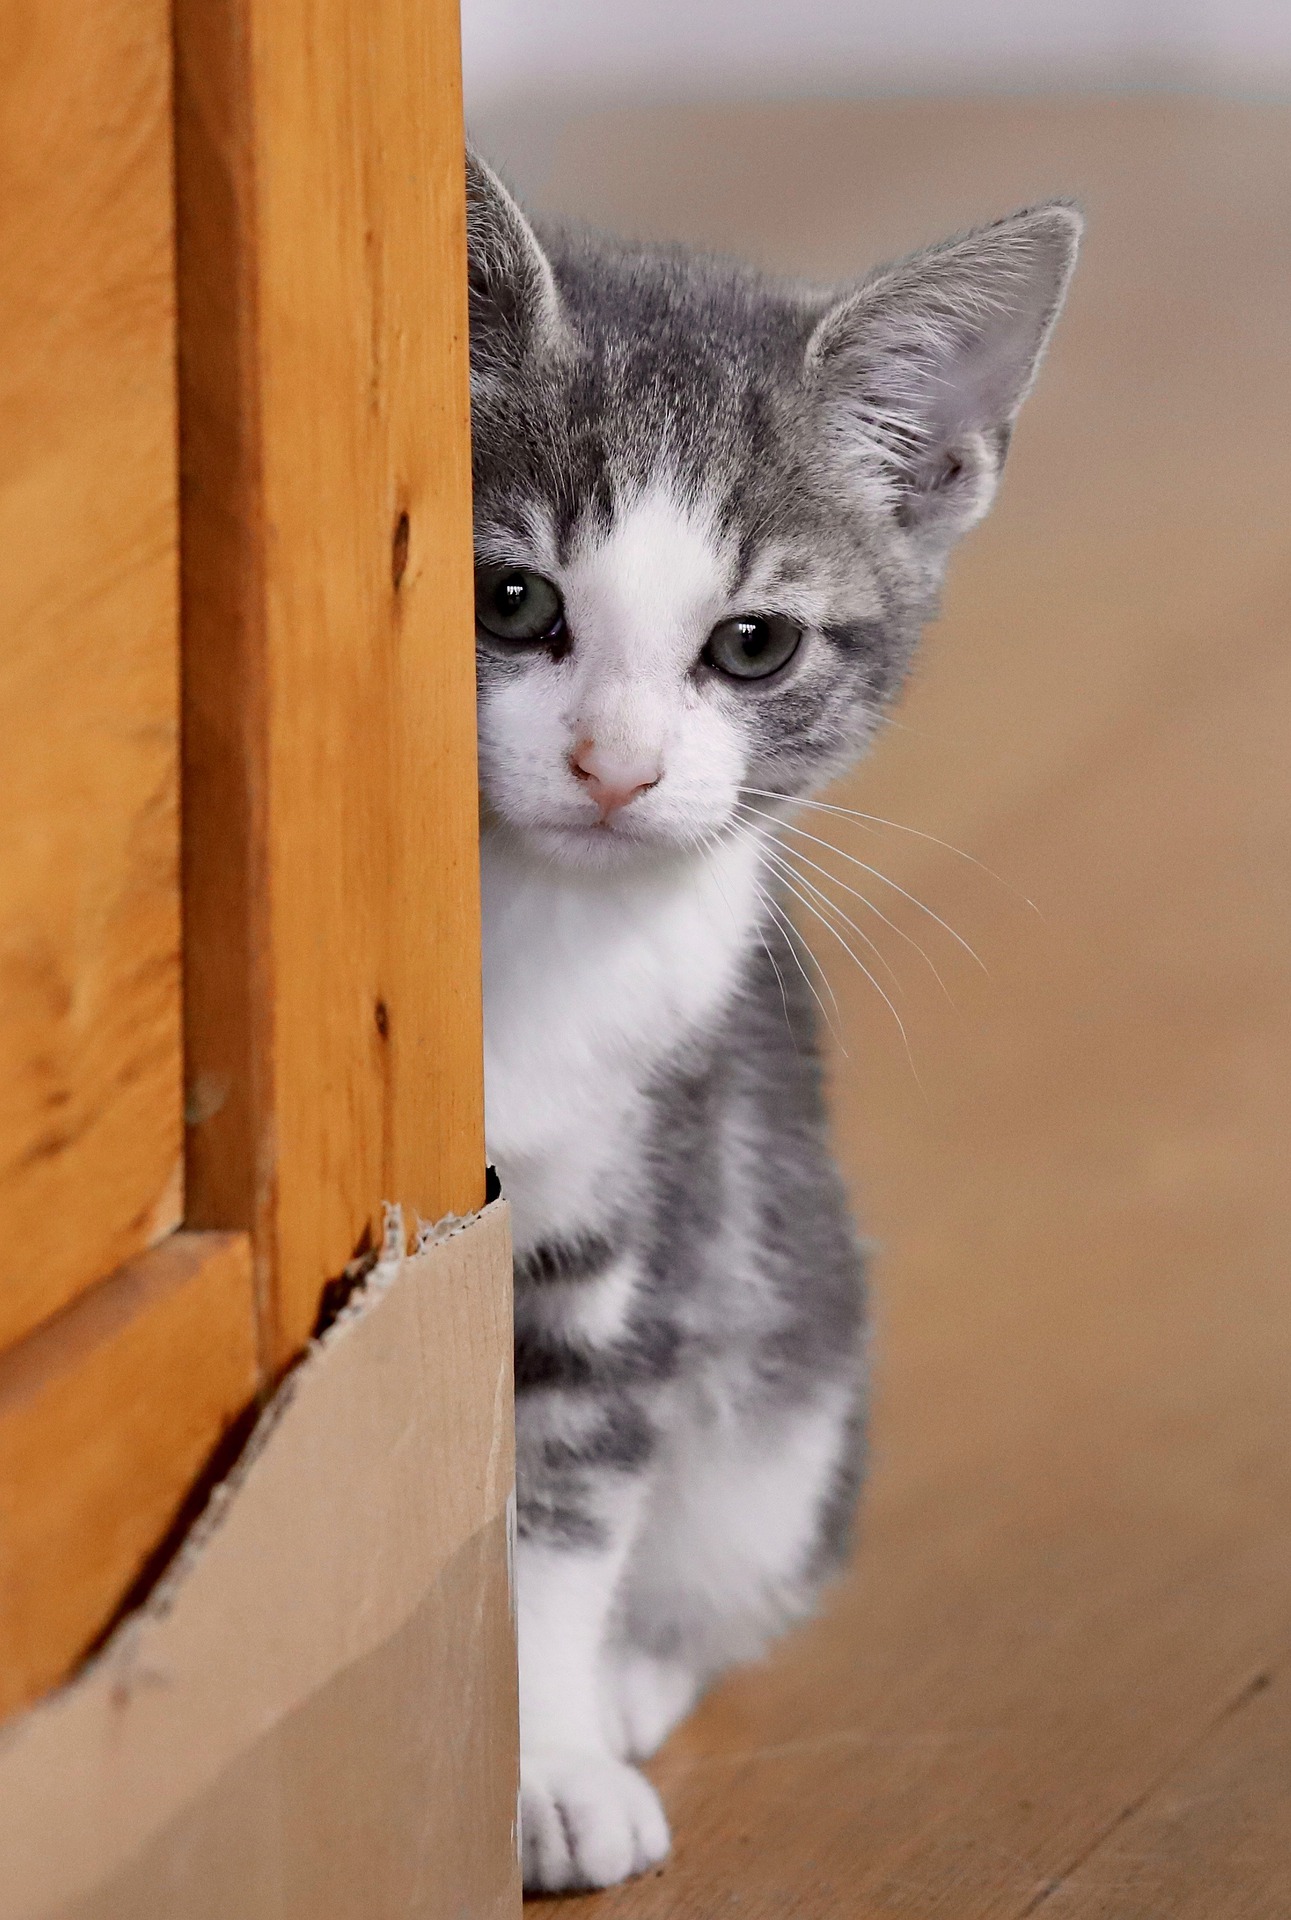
[585,1257]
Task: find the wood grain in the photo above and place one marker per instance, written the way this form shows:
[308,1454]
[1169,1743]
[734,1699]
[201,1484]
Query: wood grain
[1055,1681]
[331,888]
[1211,1838]
[90,1083]
[108,1413]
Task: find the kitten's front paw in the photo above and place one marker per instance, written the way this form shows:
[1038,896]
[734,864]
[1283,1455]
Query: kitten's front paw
[586,1820]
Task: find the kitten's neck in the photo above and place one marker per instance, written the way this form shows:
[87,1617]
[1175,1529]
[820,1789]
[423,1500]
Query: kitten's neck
[591,982]
[660,941]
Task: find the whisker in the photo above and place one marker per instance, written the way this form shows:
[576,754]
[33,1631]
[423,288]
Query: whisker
[711,840]
[782,865]
[788,800]
[791,933]
[788,874]
[867,902]
[903,726]
[784,997]
[858,962]
[897,826]
[787,826]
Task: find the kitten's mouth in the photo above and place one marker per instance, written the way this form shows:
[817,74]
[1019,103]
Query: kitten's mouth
[610,823]
[613,832]
[622,823]
[608,843]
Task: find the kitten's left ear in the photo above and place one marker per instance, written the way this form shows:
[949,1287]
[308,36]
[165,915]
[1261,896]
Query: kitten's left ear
[920,372]
[514,302]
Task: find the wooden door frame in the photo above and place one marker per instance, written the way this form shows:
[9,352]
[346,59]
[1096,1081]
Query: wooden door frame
[330,880]
[330,894]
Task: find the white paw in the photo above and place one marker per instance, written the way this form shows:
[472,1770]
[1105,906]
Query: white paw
[586,1820]
[643,1699]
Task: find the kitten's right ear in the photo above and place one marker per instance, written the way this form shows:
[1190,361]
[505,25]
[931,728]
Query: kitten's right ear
[514,304]
[920,371]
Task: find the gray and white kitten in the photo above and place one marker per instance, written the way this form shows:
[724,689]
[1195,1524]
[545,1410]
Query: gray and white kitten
[712,513]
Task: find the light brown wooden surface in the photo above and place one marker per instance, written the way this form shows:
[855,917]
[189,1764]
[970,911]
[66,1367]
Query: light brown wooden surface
[1056,1680]
[107,1415]
[90,1127]
[332,984]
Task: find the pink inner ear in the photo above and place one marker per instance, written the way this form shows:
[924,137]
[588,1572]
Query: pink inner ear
[945,345]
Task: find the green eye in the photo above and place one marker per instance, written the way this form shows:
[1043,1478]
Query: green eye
[513,604]
[753,646]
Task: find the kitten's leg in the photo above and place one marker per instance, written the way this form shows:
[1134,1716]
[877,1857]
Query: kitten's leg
[587,1819]
[746,1520]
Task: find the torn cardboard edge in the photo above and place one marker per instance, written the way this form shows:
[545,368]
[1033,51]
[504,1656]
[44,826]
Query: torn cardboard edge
[364,1291]
[367,1512]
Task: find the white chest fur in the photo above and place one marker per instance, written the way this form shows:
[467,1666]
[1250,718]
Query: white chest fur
[590,981]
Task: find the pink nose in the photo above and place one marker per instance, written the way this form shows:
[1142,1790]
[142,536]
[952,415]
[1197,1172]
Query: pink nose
[611,783]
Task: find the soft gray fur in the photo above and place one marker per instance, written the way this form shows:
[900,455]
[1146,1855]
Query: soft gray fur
[693,1458]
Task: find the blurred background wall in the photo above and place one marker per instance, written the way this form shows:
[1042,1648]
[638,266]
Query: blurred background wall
[530,63]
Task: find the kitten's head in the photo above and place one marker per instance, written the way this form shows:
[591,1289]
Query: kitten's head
[712,511]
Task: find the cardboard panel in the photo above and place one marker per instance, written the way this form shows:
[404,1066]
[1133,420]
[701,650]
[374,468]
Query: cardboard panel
[389,1791]
[90,1082]
[314,1717]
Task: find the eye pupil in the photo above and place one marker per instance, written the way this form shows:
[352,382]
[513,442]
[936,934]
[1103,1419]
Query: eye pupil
[752,646]
[517,606]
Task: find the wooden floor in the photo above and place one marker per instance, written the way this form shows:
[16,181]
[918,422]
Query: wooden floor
[1058,1680]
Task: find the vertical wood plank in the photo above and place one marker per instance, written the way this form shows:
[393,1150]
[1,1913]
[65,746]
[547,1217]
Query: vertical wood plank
[90,1085]
[332,973]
